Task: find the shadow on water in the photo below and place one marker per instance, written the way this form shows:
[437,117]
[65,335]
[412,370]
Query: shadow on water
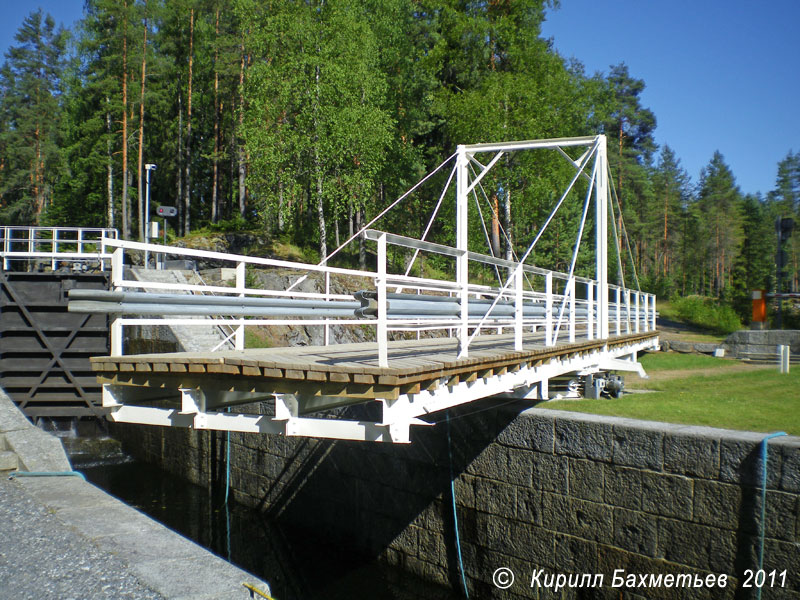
[298,564]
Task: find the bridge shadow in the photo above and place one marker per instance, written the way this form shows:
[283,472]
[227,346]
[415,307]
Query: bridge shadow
[389,501]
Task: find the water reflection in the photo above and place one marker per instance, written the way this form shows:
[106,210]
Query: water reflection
[298,564]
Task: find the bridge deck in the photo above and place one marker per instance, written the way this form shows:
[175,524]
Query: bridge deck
[344,370]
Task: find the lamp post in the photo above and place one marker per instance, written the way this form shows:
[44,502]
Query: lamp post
[148,167]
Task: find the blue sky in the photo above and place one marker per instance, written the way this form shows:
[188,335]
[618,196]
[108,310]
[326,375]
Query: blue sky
[720,75]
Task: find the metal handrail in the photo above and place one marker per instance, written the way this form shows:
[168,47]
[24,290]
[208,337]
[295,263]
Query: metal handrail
[59,244]
[554,310]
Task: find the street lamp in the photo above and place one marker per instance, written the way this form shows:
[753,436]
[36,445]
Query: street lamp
[148,167]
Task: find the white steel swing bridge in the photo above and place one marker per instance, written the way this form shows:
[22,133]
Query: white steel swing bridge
[507,340]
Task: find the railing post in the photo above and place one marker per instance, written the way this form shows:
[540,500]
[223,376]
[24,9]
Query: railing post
[590,310]
[646,315]
[241,277]
[117,275]
[518,310]
[6,248]
[383,325]
[571,310]
[653,314]
[462,236]
[53,247]
[327,327]
[618,307]
[548,309]
[637,325]
[627,311]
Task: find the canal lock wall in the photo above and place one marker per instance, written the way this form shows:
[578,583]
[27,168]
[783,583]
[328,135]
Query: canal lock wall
[535,490]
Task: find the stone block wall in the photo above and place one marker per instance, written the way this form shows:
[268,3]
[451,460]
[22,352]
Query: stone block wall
[537,491]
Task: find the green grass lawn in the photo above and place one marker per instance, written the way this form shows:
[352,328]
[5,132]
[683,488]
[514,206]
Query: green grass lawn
[702,390]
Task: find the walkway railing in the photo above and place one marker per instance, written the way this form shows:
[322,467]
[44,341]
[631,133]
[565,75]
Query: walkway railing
[55,244]
[552,305]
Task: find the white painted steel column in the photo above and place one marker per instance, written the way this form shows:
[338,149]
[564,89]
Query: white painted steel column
[601,243]
[636,324]
[241,280]
[590,310]
[548,309]
[619,311]
[571,285]
[117,271]
[383,326]
[518,310]
[645,314]
[462,243]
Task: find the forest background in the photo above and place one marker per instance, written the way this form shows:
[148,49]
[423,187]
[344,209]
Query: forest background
[301,121]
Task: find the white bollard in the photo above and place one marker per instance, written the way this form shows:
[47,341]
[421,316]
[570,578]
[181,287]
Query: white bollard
[783,358]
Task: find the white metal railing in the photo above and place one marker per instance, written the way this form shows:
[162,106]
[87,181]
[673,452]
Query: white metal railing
[240,289]
[562,309]
[551,304]
[56,244]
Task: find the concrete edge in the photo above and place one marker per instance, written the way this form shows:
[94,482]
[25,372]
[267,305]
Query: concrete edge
[162,559]
[36,449]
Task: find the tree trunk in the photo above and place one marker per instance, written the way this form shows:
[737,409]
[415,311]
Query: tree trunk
[233,161]
[666,230]
[126,209]
[362,243]
[350,219]
[179,178]
[323,240]
[507,225]
[496,248]
[281,223]
[187,198]
[619,191]
[215,176]
[142,216]
[240,149]
[109,169]
[37,190]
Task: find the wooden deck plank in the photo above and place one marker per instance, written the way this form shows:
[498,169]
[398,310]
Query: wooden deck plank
[412,362]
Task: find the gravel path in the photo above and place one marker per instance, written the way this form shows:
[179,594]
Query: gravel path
[41,558]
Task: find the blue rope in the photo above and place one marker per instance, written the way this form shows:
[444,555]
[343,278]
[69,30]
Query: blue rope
[764,443]
[455,512]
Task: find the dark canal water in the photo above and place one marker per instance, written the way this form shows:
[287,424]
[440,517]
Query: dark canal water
[298,564]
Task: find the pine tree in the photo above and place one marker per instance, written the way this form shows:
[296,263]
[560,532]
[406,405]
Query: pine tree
[31,84]
[671,195]
[719,206]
